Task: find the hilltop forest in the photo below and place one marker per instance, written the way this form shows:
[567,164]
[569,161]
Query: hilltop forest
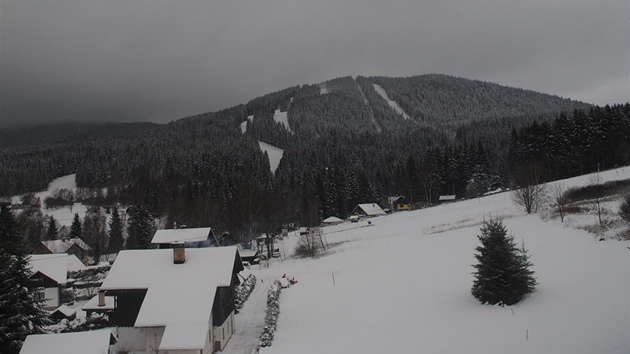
[346,145]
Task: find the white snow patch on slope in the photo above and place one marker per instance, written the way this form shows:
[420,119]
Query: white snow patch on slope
[403,286]
[244,124]
[323,89]
[391,102]
[274,153]
[282,118]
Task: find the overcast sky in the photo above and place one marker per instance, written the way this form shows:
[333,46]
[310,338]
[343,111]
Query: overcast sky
[161,60]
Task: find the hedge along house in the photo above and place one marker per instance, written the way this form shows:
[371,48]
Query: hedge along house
[189,238]
[50,271]
[174,300]
[367,210]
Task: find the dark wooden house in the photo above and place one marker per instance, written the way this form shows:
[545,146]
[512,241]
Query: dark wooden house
[75,246]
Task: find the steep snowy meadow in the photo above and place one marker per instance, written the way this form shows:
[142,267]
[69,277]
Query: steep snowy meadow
[403,285]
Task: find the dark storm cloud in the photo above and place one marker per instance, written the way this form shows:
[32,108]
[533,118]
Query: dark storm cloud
[160,60]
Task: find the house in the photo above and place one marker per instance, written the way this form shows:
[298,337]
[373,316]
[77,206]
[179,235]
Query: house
[190,238]
[63,312]
[100,304]
[75,246]
[50,271]
[333,220]
[447,198]
[92,342]
[178,300]
[367,210]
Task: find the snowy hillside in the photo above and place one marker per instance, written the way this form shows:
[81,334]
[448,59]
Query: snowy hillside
[403,286]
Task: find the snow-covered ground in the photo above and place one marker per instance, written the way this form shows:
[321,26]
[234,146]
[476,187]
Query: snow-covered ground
[282,118]
[244,124]
[64,215]
[274,153]
[323,89]
[381,91]
[403,285]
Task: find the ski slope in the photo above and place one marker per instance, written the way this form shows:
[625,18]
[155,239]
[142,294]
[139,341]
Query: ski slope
[274,153]
[381,91]
[403,286]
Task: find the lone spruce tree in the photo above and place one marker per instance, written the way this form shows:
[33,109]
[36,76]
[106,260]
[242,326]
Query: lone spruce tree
[502,273]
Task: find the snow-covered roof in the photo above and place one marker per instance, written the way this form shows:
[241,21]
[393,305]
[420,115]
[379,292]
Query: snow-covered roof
[65,310]
[62,246]
[372,209]
[91,342]
[181,235]
[92,304]
[178,295]
[447,197]
[54,266]
[332,220]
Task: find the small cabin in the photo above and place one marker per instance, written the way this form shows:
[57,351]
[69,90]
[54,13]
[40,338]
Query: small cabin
[367,210]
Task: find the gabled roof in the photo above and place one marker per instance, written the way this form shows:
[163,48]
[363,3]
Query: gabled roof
[54,266]
[371,209]
[332,220]
[178,295]
[65,310]
[181,235]
[92,304]
[92,342]
[62,246]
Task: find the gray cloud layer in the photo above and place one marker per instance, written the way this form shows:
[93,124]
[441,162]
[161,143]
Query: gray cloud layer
[160,60]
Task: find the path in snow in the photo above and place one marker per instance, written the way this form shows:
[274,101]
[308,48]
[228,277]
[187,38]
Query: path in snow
[274,153]
[391,102]
[250,321]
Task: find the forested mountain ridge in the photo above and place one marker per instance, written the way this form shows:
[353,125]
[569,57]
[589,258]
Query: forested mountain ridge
[346,145]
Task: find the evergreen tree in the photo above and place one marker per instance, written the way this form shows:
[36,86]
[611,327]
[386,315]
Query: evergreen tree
[116,239]
[503,275]
[21,312]
[9,235]
[94,231]
[140,229]
[53,231]
[75,228]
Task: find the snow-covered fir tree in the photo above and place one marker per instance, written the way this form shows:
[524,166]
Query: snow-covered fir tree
[21,311]
[502,273]
[75,227]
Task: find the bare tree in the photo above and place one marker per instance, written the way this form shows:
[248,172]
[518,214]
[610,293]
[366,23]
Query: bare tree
[595,181]
[557,195]
[624,209]
[531,193]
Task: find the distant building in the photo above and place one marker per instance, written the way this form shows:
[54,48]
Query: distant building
[75,246]
[174,300]
[333,220]
[368,210]
[50,271]
[447,198]
[189,238]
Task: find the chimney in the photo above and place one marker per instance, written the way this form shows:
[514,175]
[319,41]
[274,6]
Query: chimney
[179,254]
[101,298]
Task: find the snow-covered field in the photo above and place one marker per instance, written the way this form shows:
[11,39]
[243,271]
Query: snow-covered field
[403,286]
[65,215]
[381,91]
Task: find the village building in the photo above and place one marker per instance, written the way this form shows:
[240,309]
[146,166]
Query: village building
[333,220]
[75,246]
[50,271]
[189,238]
[174,300]
[367,210]
[101,341]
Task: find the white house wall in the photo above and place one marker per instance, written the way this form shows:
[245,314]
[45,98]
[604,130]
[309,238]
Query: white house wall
[130,339]
[52,298]
[223,333]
